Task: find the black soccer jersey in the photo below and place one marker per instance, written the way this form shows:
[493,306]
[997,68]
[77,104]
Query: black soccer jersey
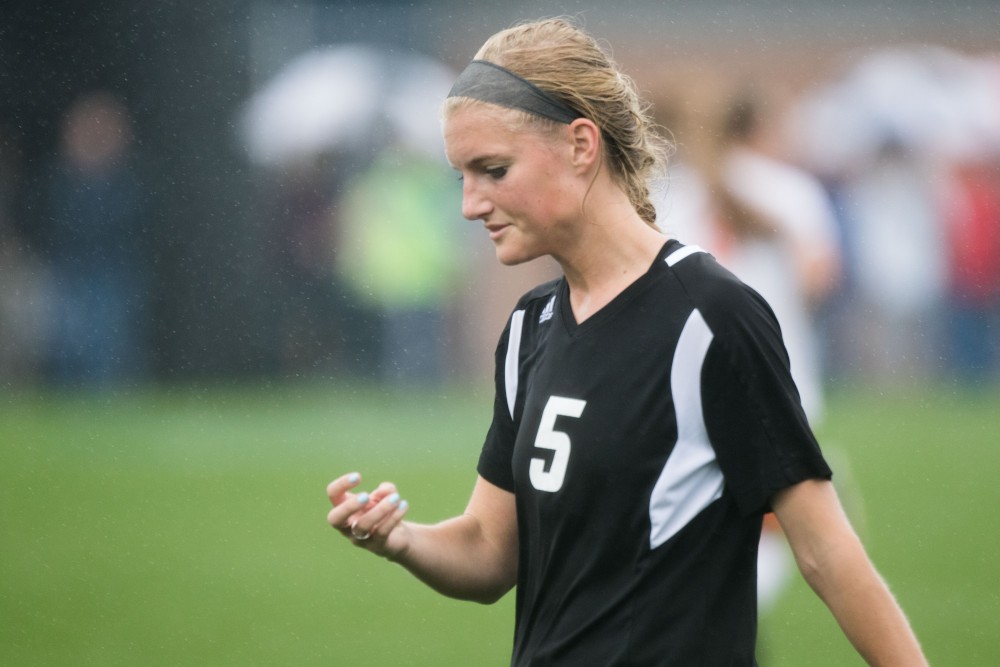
[642,446]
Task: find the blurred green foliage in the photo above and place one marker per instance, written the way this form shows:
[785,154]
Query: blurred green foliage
[187,526]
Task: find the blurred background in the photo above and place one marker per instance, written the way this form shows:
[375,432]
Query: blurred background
[180,183]
[232,256]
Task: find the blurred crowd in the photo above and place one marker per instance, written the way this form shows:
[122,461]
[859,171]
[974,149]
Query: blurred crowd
[866,209]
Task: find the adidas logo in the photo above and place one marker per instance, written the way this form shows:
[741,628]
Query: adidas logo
[548,310]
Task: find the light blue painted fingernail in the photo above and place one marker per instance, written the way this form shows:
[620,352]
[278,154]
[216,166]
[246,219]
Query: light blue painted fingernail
[394,499]
[363,498]
[354,478]
[403,505]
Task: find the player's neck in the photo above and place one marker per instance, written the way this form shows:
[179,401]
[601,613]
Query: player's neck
[611,258]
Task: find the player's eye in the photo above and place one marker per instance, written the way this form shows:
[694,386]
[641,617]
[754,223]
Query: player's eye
[496,172]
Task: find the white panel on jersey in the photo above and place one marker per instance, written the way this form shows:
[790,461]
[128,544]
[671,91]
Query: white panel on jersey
[511,363]
[691,479]
[684,252]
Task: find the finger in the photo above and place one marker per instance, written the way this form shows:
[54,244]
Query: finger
[382,518]
[395,517]
[383,490]
[346,512]
[336,489]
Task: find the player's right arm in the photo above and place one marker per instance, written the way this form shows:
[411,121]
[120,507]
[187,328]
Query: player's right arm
[471,557]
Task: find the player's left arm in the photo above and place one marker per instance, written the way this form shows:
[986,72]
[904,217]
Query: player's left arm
[834,563]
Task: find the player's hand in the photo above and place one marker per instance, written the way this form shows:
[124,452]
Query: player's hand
[372,520]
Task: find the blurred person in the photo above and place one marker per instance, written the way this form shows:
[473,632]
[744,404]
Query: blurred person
[22,283]
[891,206]
[400,257]
[317,324]
[972,212]
[771,224]
[776,230]
[685,210]
[645,416]
[777,233]
[93,241]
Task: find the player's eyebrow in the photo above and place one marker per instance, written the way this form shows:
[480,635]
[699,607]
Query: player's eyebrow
[481,161]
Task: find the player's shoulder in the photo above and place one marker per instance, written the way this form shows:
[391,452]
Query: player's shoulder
[539,297]
[698,272]
[712,289]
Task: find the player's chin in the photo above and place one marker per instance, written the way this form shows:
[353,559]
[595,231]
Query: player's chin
[512,254]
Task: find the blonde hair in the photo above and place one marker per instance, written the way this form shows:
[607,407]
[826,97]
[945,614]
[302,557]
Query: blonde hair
[569,64]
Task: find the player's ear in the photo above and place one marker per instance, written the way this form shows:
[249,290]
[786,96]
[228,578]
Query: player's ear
[586,139]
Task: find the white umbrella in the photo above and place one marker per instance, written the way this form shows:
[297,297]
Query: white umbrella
[340,98]
[928,99]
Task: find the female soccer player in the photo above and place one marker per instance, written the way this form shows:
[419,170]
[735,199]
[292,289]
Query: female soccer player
[645,418]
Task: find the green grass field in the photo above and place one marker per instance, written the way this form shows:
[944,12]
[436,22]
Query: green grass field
[187,527]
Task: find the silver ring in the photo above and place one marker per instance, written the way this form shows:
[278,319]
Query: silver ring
[359,536]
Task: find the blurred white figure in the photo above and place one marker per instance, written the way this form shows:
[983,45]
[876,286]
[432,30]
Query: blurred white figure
[779,236]
[342,98]
[902,266]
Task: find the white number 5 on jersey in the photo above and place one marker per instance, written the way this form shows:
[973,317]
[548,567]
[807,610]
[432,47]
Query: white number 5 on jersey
[557,441]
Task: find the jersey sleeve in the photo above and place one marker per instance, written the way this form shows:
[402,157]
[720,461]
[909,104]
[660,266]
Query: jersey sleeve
[753,413]
[498,448]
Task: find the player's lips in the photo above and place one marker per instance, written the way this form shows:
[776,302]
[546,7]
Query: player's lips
[495,229]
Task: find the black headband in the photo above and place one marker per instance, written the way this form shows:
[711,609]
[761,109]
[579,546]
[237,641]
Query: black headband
[486,82]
